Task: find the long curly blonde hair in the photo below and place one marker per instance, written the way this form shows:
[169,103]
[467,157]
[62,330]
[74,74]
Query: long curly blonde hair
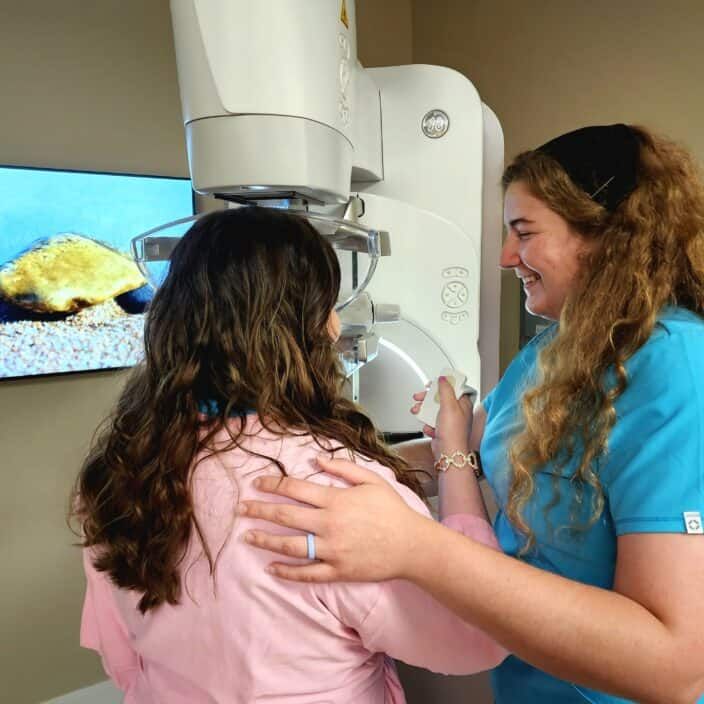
[649,253]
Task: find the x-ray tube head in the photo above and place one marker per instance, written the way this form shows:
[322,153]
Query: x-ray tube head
[284,120]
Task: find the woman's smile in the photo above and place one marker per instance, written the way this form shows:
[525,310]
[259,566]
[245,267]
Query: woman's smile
[528,279]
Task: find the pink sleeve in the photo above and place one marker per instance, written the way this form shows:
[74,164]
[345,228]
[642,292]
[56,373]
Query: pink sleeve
[473,527]
[103,630]
[410,625]
[398,618]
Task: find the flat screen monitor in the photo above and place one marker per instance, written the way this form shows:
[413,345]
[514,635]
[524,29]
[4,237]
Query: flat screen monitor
[71,297]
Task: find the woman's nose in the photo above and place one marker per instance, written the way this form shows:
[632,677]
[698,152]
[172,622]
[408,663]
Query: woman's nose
[509,252]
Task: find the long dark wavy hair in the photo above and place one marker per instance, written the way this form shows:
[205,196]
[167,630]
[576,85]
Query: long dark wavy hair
[649,253]
[240,320]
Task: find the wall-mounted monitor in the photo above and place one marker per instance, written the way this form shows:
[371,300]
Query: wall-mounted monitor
[71,297]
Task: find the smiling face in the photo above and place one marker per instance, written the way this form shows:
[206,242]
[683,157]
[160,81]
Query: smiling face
[542,249]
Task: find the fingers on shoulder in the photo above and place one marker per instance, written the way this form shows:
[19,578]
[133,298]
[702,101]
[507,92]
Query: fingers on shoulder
[316,572]
[283,514]
[298,489]
[289,545]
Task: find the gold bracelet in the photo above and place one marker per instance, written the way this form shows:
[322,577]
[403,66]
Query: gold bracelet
[460,460]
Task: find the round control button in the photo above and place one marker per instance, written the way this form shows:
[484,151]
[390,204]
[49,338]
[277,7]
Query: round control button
[454,294]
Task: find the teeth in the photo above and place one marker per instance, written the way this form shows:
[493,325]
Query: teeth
[530,279]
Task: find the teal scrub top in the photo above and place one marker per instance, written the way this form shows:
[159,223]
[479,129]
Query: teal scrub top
[652,475]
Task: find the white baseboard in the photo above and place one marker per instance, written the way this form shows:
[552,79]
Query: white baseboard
[101,693]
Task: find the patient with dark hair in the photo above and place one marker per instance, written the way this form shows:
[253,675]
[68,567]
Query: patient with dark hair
[241,380]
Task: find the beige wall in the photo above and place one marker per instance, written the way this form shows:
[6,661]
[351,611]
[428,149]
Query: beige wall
[548,66]
[90,85]
[384,32]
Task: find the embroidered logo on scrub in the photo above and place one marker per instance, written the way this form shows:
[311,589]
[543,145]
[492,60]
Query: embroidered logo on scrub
[693,522]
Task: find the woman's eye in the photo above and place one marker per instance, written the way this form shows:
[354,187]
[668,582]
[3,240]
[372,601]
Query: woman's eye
[521,235]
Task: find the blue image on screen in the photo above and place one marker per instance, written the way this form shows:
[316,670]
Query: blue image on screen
[41,207]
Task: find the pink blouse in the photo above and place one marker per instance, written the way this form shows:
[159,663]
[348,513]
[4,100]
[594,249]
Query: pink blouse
[244,636]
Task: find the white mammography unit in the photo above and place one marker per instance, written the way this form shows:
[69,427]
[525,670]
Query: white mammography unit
[277,110]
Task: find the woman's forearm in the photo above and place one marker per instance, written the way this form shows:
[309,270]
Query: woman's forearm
[458,489]
[586,635]
[459,492]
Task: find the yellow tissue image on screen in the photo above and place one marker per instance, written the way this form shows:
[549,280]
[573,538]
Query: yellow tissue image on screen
[67,273]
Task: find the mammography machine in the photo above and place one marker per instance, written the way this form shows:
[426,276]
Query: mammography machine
[399,166]
[402,163]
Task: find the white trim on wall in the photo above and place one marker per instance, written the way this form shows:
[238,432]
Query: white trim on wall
[101,693]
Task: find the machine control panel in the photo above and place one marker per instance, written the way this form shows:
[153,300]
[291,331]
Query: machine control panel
[454,295]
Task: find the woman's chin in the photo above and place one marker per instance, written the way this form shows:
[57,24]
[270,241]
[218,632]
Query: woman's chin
[540,311]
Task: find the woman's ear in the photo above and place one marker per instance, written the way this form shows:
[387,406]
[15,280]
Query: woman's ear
[334,326]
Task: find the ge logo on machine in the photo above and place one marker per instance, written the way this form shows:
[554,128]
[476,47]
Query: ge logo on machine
[454,294]
[435,123]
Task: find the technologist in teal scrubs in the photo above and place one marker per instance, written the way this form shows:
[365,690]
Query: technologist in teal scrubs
[593,443]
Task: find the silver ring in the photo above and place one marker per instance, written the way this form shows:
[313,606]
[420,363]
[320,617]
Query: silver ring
[310,541]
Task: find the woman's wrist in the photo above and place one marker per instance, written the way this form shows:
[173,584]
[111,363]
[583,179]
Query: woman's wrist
[457,458]
[443,446]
